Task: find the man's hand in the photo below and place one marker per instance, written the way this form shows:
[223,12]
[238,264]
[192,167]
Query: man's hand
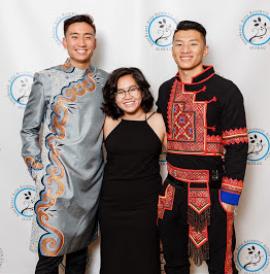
[228,207]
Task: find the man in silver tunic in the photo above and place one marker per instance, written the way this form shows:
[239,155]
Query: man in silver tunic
[62,140]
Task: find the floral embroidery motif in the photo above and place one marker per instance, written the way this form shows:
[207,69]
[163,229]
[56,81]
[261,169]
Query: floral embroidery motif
[32,162]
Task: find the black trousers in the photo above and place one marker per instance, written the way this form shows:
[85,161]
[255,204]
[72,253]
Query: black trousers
[174,235]
[75,263]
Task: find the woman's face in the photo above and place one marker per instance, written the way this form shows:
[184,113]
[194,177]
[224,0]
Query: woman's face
[128,96]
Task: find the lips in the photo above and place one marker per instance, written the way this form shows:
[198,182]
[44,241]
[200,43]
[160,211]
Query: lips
[186,58]
[81,51]
[129,103]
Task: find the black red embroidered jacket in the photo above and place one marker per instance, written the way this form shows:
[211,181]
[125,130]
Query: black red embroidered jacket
[206,128]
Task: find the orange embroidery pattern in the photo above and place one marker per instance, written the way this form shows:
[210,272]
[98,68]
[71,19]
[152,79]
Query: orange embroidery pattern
[52,242]
[32,163]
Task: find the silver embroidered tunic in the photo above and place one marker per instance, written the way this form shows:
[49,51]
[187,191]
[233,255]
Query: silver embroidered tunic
[62,139]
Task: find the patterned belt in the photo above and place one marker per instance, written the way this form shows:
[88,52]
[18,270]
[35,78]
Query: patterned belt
[198,215]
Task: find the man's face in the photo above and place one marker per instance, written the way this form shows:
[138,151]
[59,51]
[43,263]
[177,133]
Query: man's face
[80,43]
[189,50]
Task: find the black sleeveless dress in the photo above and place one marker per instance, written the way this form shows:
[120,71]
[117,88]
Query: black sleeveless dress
[128,204]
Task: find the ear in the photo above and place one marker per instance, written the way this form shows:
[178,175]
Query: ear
[64,42]
[205,53]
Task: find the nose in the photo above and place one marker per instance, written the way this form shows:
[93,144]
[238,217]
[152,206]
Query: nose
[185,48]
[127,94]
[81,42]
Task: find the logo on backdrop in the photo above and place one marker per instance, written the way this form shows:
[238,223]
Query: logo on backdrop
[23,200]
[19,88]
[1,257]
[252,257]
[255,29]
[159,30]
[259,146]
[58,26]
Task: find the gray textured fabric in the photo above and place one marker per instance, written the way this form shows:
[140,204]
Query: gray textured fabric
[62,139]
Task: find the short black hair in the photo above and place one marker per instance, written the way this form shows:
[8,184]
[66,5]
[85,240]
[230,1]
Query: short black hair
[191,25]
[109,91]
[79,18]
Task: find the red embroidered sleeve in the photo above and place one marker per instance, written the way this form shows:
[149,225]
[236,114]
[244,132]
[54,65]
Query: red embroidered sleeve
[232,185]
[234,136]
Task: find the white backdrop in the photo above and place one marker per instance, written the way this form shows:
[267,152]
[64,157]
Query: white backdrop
[126,33]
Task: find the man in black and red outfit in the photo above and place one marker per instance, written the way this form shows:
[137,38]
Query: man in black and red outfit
[206,158]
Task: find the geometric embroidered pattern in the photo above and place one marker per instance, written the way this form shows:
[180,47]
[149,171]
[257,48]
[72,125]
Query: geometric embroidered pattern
[232,185]
[166,202]
[198,237]
[235,136]
[198,198]
[187,125]
[188,175]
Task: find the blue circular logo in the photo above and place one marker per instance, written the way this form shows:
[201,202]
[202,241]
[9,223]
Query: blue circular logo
[58,27]
[252,257]
[255,29]
[160,29]
[23,201]
[259,146]
[20,87]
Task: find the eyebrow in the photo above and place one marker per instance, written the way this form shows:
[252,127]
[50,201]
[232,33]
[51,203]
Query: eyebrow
[87,33]
[191,40]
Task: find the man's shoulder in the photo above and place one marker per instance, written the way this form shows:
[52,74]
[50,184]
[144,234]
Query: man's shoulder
[101,72]
[224,81]
[100,76]
[226,85]
[167,83]
[51,70]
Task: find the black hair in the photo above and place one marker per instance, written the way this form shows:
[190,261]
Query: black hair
[191,25]
[80,18]
[109,91]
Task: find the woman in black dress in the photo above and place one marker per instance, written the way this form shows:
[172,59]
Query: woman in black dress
[128,205]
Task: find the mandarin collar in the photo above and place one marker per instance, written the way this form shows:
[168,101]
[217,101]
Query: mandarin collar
[68,68]
[198,81]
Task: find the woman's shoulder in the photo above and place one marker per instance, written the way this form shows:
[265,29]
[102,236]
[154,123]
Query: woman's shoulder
[110,124]
[155,119]
[109,121]
[154,116]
